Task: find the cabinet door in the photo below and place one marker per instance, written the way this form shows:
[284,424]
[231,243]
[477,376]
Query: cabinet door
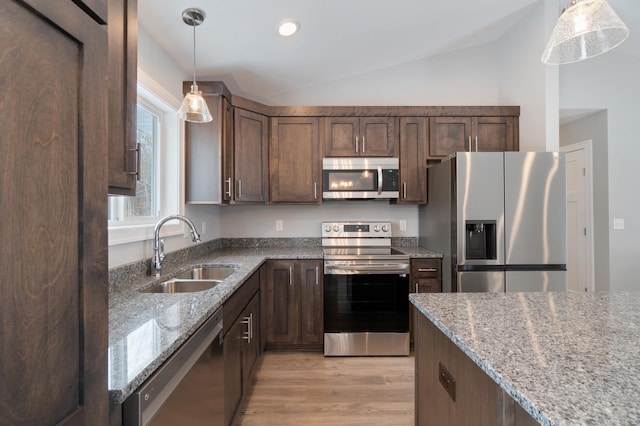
[494,134]
[294,160]
[378,137]
[203,159]
[232,349]
[227,152]
[250,156]
[281,303]
[123,71]
[53,205]
[413,170]
[251,341]
[448,135]
[340,137]
[311,302]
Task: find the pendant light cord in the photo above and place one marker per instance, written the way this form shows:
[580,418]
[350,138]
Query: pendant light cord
[194,53]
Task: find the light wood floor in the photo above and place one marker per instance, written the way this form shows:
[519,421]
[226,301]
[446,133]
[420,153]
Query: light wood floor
[309,389]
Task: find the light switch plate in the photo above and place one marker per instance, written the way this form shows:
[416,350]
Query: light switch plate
[618,224]
[279,225]
[403,225]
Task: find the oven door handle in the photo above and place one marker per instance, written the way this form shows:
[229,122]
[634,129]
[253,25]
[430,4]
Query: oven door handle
[395,268]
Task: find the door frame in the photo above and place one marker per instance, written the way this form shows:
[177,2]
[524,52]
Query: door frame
[587,146]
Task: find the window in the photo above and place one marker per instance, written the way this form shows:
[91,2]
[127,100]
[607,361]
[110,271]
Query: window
[133,218]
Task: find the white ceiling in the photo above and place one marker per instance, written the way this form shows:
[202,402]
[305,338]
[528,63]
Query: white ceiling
[239,44]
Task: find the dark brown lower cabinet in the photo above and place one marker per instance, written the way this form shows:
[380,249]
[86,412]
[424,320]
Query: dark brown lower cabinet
[475,399]
[242,347]
[293,304]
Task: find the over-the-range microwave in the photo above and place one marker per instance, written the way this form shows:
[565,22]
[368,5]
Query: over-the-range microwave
[345,178]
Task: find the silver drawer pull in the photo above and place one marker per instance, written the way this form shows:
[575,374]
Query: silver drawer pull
[427,270]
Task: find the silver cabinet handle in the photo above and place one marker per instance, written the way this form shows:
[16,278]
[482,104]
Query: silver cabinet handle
[427,270]
[290,275]
[356,144]
[138,155]
[228,182]
[363,144]
[469,143]
[317,274]
[315,190]
[239,188]
[246,335]
[417,288]
[404,189]
[380,180]
[476,144]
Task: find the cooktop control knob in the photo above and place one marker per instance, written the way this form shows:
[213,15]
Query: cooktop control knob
[376,228]
[336,228]
[327,228]
[385,228]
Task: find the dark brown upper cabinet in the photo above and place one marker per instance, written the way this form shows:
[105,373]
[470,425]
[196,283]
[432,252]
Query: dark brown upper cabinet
[413,170]
[122,105]
[250,157]
[449,135]
[360,137]
[294,160]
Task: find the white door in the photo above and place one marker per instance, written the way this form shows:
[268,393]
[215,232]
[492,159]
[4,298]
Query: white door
[579,217]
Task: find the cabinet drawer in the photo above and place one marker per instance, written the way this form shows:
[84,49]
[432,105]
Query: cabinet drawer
[425,286]
[425,268]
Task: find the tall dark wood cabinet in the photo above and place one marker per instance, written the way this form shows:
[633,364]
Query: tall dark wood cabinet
[53,205]
[413,170]
[251,151]
[124,152]
[294,161]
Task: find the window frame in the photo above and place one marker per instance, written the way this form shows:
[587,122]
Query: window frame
[152,95]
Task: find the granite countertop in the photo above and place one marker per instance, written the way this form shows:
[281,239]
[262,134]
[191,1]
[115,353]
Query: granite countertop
[146,328]
[567,358]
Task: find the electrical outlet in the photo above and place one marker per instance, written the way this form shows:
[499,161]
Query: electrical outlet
[618,224]
[279,225]
[203,228]
[403,225]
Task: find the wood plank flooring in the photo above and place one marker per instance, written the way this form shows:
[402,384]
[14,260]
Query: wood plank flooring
[305,388]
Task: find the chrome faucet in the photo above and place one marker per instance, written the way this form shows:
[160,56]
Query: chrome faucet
[158,244]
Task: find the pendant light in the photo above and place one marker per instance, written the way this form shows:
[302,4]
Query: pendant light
[585,28]
[194,108]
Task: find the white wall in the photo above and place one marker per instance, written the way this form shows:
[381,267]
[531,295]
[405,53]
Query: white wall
[610,82]
[595,128]
[526,81]
[304,221]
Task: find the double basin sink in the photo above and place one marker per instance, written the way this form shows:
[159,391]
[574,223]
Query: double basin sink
[193,280]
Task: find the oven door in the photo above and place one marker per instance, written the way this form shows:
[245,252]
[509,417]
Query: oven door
[366,303]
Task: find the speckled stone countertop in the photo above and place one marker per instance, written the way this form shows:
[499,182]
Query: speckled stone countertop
[146,328]
[566,358]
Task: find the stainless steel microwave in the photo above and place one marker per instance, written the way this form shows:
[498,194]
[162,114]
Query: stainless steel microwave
[345,178]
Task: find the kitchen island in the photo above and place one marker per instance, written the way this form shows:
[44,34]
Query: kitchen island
[551,358]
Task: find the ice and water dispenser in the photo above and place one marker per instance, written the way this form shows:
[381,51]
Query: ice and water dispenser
[480,236]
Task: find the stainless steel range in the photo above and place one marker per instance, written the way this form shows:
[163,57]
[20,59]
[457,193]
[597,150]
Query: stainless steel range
[366,291]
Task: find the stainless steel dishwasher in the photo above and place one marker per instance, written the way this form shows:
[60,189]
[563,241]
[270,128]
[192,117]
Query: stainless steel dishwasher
[188,388]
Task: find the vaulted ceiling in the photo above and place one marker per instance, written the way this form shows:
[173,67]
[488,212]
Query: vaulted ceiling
[238,41]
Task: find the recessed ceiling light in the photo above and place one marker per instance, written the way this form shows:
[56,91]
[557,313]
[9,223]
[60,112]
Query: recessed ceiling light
[288,28]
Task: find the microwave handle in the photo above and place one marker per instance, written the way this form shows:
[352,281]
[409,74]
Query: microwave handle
[379,180]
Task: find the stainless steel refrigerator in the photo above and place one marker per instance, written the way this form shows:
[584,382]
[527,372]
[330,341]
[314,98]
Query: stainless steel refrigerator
[499,218]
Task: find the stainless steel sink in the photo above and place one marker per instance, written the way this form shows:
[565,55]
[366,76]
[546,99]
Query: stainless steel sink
[181,286]
[206,273]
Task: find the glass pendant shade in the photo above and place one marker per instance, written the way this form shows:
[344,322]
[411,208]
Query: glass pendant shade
[585,29]
[194,108]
